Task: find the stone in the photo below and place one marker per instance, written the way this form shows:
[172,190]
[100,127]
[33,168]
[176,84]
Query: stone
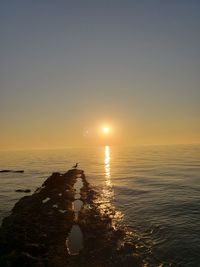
[23,190]
[132,260]
[129,248]
[20,171]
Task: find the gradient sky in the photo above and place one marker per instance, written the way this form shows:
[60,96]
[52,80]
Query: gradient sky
[70,66]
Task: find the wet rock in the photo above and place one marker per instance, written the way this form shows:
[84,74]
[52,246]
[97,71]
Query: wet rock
[20,259]
[34,227]
[20,171]
[23,190]
[34,249]
[129,248]
[132,260]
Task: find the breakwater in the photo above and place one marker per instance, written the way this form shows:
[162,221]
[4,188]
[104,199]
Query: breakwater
[61,224]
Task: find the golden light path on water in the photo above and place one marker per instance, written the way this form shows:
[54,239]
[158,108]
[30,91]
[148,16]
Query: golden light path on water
[108,192]
[106,197]
[107,166]
[106,206]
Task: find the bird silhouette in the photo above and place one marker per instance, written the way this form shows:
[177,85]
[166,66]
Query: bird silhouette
[75,166]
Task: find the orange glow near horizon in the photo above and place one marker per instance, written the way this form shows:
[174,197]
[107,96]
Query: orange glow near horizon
[97,132]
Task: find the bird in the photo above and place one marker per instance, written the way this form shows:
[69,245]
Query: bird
[75,166]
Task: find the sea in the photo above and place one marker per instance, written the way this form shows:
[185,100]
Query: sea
[156,189]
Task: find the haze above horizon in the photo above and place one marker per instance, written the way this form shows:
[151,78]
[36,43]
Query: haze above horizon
[70,68]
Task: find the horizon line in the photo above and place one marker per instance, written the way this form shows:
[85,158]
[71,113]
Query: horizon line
[85,146]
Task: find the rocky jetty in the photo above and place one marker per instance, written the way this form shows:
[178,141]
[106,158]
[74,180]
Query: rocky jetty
[36,233]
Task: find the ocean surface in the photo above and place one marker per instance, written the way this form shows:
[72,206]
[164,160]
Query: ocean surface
[156,190]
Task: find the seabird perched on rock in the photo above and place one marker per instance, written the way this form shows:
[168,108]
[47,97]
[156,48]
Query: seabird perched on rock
[75,166]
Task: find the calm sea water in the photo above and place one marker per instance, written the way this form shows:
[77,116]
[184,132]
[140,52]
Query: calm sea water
[157,189]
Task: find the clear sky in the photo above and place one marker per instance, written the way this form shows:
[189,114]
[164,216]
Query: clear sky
[68,67]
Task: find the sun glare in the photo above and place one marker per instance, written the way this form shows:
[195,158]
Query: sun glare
[106,130]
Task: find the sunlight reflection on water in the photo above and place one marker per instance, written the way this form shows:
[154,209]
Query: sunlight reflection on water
[108,188]
[107,195]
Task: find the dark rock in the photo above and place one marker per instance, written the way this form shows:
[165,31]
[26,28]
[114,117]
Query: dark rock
[19,259]
[20,171]
[132,260]
[34,249]
[34,226]
[23,190]
[129,248]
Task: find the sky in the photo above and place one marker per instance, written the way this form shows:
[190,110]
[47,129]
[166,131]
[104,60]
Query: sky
[69,68]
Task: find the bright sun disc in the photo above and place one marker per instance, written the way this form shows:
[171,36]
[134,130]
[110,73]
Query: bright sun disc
[106,130]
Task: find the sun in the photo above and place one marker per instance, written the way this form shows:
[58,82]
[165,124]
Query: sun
[106,130]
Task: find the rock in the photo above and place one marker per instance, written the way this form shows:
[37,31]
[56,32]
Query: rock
[45,200]
[23,190]
[34,249]
[20,171]
[132,260]
[34,229]
[129,248]
[20,259]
